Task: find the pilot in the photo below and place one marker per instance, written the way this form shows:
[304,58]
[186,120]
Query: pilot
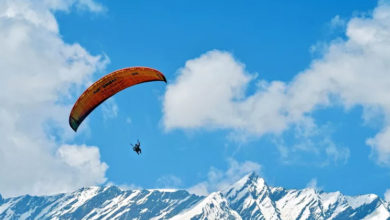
[137,147]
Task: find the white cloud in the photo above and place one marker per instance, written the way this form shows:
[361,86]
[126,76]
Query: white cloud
[85,160]
[219,180]
[110,109]
[312,148]
[336,153]
[38,72]
[338,22]
[217,80]
[387,195]
[169,181]
[353,72]
[90,5]
[313,184]
[39,13]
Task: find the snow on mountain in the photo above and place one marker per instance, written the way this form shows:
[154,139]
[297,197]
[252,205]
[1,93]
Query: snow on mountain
[252,198]
[248,198]
[99,203]
[214,206]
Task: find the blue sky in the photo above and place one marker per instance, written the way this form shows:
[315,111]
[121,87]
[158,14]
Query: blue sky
[293,91]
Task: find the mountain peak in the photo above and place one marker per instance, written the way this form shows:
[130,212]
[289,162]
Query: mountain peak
[247,184]
[251,197]
[253,174]
[251,180]
[254,178]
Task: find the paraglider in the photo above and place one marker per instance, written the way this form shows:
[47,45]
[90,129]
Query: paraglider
[108,86]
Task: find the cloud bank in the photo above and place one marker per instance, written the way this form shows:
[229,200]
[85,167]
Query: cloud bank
[38,71]
[209,91]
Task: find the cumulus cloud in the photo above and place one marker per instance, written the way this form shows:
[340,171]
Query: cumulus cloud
[209,91]
[205,91]
[38,73]
[85,160]
[219,180]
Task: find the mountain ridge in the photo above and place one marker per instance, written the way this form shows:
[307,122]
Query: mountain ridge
[248,198]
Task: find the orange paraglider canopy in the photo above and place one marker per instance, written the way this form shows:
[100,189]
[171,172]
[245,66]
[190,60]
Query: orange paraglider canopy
[108,86]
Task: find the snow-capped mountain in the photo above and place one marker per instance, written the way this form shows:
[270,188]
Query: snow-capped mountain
[100,203]
[252,198]
[248,198]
